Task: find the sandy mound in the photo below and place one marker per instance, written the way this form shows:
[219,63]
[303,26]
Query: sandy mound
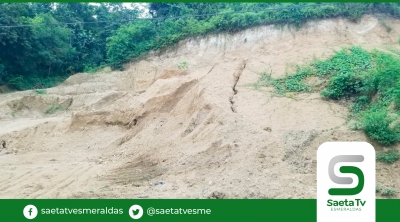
[158,130]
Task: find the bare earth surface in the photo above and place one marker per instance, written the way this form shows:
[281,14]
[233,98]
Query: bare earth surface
[154,131]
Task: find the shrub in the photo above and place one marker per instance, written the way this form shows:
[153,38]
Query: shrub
[380,126]
[396,95]
[360,104]
[345,68]
[17,83]
[343,84]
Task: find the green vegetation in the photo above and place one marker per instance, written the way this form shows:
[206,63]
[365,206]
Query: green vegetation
[183,65]
[385,191]
[388,192]
[228,17]
[370,79]
[388,157]
[41,91]
[43,43]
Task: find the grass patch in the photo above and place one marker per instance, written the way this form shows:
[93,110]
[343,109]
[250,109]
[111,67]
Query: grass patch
[388,157]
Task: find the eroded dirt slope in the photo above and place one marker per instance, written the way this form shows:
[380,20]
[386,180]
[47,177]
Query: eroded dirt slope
[155,131]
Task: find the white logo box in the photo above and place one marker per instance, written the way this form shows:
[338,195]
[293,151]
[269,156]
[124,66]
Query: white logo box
[347,151]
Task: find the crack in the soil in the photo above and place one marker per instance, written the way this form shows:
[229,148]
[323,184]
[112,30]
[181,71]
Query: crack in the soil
[236,76]
[211,69]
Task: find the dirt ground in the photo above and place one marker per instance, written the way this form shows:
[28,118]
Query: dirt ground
[155,131]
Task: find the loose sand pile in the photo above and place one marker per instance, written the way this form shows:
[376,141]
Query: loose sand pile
[155,131]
